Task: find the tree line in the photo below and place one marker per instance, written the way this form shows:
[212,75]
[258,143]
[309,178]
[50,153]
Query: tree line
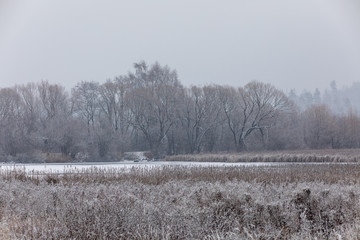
[149,109]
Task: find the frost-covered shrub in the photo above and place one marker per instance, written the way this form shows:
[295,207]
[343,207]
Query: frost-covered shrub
[182,203]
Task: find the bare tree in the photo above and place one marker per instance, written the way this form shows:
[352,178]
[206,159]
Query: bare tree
[113,103]
[318,126]
[200,113]
[11,124]
[29,96]
[346,131]
[286,133]
[149,109]
[55,117]
[85,102]
[54,101]
[153,102]
[114,124]
[252,108]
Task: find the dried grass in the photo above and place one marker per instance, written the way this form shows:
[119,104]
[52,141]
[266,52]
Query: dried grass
[295,201]
[308,156]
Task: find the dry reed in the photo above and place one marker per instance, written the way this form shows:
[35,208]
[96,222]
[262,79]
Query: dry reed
[278,202]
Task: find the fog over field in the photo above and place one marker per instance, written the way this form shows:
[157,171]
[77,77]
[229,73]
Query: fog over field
[164,119]
[298,44]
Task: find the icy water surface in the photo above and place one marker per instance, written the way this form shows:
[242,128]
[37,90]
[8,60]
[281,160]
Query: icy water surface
[64,167]
[78,167]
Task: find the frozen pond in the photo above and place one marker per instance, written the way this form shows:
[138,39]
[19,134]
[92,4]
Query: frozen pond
[67,167]
[61,167]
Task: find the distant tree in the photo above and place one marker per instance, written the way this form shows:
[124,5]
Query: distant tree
[252,108]
[85,102]
[318,126]
[54,101]
[55,116]
[286,133]
[31,110]
[113,103]
[200,113]
[153,102]
[12,131]
[317,97]
[306,100]
[149,109]
[114,114]
[347,131]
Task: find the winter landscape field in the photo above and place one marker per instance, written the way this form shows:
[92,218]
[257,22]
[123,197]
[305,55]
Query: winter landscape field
[181,201]
[179,120]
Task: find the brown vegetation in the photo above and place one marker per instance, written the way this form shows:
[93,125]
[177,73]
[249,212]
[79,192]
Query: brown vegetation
[279,202]
[308,156]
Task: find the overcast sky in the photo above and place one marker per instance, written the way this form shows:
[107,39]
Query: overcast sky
[291,44]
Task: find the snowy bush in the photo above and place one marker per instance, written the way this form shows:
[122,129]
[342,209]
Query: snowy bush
[298,201]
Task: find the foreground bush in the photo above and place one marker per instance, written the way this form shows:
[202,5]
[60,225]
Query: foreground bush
[183,203]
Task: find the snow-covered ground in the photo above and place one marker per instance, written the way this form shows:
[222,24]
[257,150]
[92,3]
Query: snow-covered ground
[61,167]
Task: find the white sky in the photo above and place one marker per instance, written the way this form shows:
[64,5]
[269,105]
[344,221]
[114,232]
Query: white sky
[291,44]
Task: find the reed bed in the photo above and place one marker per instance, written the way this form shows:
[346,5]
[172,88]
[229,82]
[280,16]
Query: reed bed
[307,156]
[293,201]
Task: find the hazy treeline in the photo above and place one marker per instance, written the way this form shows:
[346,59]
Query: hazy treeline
[340,101]
[149,109]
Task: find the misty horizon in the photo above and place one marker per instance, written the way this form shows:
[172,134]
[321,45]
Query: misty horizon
[298,45]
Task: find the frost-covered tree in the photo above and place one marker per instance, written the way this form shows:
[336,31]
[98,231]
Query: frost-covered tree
[252,108]
[200,114]
[11,124]
[85,102]
[318,126]
[55,118]
[153,102]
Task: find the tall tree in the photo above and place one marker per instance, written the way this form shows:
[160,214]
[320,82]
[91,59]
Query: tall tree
[55,115]
[11,124]
[318,126]
[252,108]
[85,101]
[200,113]
[153,101]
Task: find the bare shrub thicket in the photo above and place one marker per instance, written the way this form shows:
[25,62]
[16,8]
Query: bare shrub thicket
[280,202]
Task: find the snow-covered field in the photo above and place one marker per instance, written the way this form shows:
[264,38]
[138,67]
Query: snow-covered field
[61,167]
[161,200]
